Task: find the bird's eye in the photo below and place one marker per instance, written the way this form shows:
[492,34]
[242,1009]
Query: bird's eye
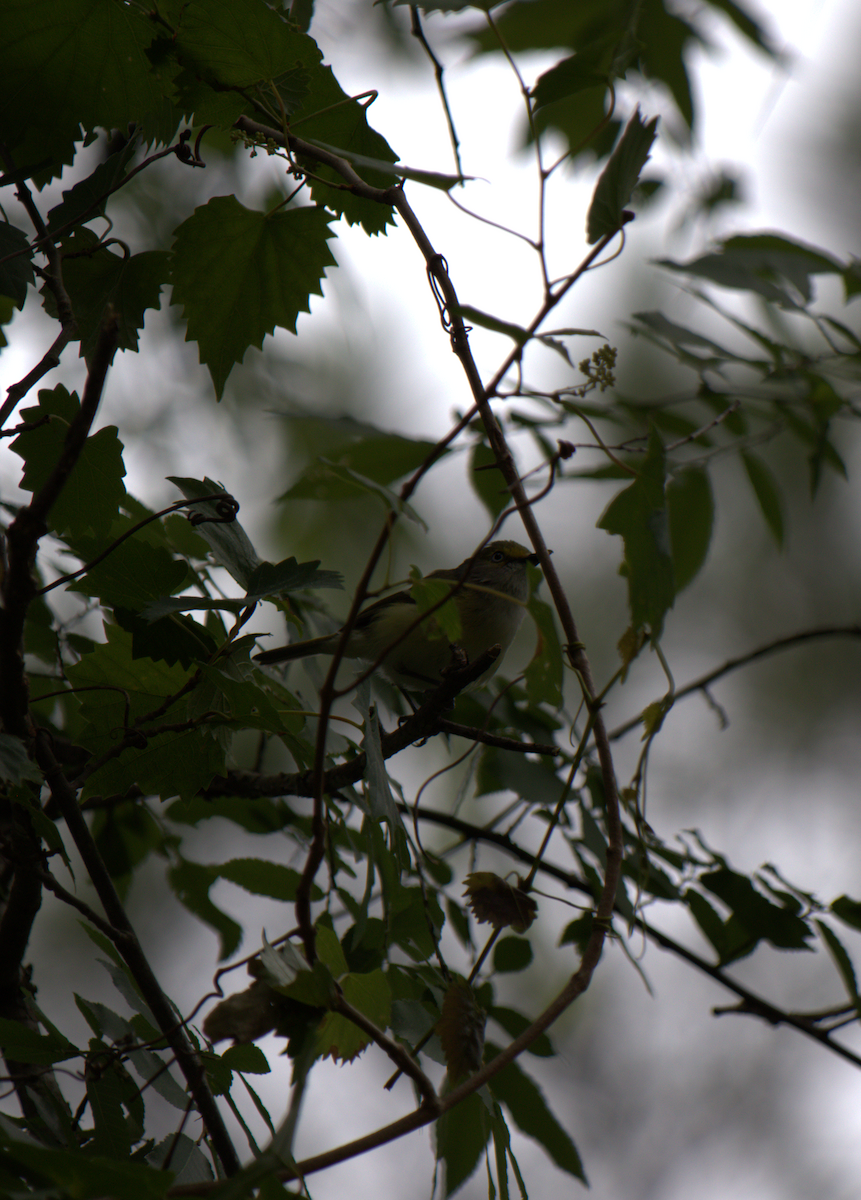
[497,556]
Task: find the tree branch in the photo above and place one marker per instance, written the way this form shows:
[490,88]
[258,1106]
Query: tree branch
[25,893]
[426,722]
[399,1055]
[750,1001]
[54,283]
[784,643]
[128,945]
[31,524]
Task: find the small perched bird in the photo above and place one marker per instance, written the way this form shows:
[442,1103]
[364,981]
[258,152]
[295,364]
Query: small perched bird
[490,599]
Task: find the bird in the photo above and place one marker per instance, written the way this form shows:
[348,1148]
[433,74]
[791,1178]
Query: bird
[489,589]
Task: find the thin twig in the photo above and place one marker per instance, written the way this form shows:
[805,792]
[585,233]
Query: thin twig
[705,681]
[474,734]
[419,33]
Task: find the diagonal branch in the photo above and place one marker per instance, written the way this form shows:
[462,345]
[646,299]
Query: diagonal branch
[128,945]
[750,1002]
[30,525]
[54,283]
[399,1055]
[785,643]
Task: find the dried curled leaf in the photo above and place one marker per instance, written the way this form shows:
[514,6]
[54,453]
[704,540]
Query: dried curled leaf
[494,900]
[461,1030]
[244,1016]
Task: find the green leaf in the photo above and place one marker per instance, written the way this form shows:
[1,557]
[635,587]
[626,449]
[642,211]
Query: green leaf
[690,506]
[329,116]
[461,1136]
[122,689]
[94,52]
[175,640]
[486,479]
[191,883]
[372,452]
[664,41]
[16,267]
[25,1045]
[97,279]
[378,789]
[709,921]
[578,932]
[185,1160]
[514,1023]
[746,25]
[581,120]
[260,815]
[330,951]
[327,481]
[73,1173]
[536,782]
[512,954]
[152,1070]
[125,835]
[86,199]
[120,974]
[370,994]
[767,493]
[411,920]
[270,579]
[248,1058]
[682,342]
[588,68]
[242,702]
[363,468]
[227,540]
[88,503]
[263,878]
[239,44]
[7,312]
[502,1149]
[133,573]
[619,178]
[755,917]
[523,1099]
[772,266]
[639,516]
[517,333]
[28,798]
[283,966]
[105,1091]
[842,959]
[15,764]
[848,910]
[543,675]
[240,273]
